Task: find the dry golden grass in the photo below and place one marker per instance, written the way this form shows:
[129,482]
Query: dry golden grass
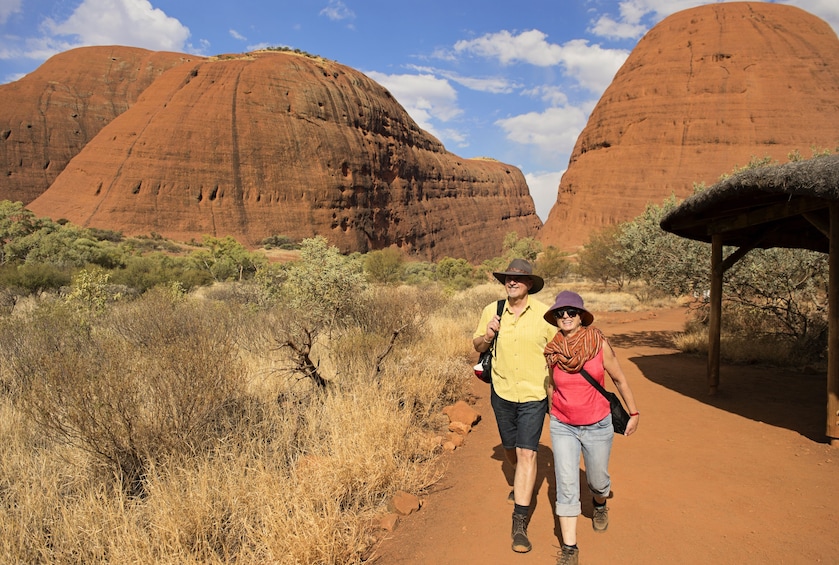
[292,474]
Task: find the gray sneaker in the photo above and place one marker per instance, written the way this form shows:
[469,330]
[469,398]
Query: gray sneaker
[568,556]
[520,542]
[600,518]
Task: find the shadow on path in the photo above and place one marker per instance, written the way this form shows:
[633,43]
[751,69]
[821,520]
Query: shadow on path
[779,397]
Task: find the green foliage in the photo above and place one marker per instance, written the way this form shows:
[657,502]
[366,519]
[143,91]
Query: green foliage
[90,290]
[385,265]
[33,277]
[782,292]
[514,248]
[67,246]
[753,163]
[323,282]
[666,262]
[226,259]
[419,272]
[16,222]
[279,242]
[455,273]
[599,259]
[552,264]
[142,272]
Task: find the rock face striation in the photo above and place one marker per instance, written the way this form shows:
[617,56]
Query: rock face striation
[702,93]
[277,143]
[48,116]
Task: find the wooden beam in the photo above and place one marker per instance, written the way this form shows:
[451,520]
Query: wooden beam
[715,315]
[767,214]
[818,223]
[833,329]
[734,257]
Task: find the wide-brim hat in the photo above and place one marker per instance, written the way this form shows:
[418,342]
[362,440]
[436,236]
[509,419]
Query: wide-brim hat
[521,268]
[567,298]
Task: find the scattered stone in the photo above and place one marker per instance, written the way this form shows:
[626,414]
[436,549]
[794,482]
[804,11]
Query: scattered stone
[462,412]
[404,503]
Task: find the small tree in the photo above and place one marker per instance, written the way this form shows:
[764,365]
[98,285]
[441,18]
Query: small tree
[226,259]
[552,264]
[384,265]
[599,259]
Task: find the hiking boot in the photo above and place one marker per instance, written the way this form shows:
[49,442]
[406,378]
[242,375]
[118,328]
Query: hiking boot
[511,498]
[520,542]
[568,556]
[600,518]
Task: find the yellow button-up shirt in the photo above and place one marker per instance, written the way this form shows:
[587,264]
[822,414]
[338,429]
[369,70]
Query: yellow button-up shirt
[519,369]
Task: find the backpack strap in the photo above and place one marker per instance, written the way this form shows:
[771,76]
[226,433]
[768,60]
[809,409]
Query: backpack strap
[499,312]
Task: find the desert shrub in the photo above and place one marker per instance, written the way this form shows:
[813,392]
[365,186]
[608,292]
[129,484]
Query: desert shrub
[781,294]
[419,272]
[67,246]
[143,272]
[384,265]
[32,278]
[279,242]
[455,274]
[599,259]
[323,282]
[226,259]
[552,264]
[153,377]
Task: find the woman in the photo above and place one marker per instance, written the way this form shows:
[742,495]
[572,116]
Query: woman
[581,419]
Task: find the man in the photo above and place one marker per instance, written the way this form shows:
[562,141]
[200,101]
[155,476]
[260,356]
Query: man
[519,375]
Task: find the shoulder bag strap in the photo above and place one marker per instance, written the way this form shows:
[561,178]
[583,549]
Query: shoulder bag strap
[594,383]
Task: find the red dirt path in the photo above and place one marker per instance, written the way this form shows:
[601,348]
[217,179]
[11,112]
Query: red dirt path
[746,476]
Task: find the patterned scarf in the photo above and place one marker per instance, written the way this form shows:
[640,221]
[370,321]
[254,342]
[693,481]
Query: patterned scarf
[572,352]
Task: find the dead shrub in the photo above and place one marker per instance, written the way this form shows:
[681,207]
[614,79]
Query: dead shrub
[153,377]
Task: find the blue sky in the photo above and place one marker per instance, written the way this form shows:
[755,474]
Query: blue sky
[514,80]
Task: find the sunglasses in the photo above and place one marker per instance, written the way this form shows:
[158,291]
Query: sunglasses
[570,310]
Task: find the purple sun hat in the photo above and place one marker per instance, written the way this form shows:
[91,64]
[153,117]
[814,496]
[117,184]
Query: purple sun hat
[566,298]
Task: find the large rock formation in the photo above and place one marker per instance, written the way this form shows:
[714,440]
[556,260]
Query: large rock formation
[277,143]
[49,116]
[704,91]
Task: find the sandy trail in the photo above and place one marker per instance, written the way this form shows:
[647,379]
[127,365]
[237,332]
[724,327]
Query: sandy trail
[746,476]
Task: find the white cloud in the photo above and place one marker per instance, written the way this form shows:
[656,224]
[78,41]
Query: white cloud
[528,47]
[637,16]
[493,85]
[236,35]
[553,95]
[117,22]
[424,96]
[543,189]
[592,66]
[7,8]
[607,27]
[337,11]
[553,131]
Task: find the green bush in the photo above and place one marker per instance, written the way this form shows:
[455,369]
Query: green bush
[32,278]
[384,265]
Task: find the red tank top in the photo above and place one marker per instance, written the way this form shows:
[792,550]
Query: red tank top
[575,401]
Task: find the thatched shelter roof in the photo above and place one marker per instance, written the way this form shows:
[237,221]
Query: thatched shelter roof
[773,206]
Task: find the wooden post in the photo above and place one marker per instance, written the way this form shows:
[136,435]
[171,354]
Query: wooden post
[714,321]
[833,329]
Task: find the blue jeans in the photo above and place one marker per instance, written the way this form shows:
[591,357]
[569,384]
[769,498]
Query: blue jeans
[595,443]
